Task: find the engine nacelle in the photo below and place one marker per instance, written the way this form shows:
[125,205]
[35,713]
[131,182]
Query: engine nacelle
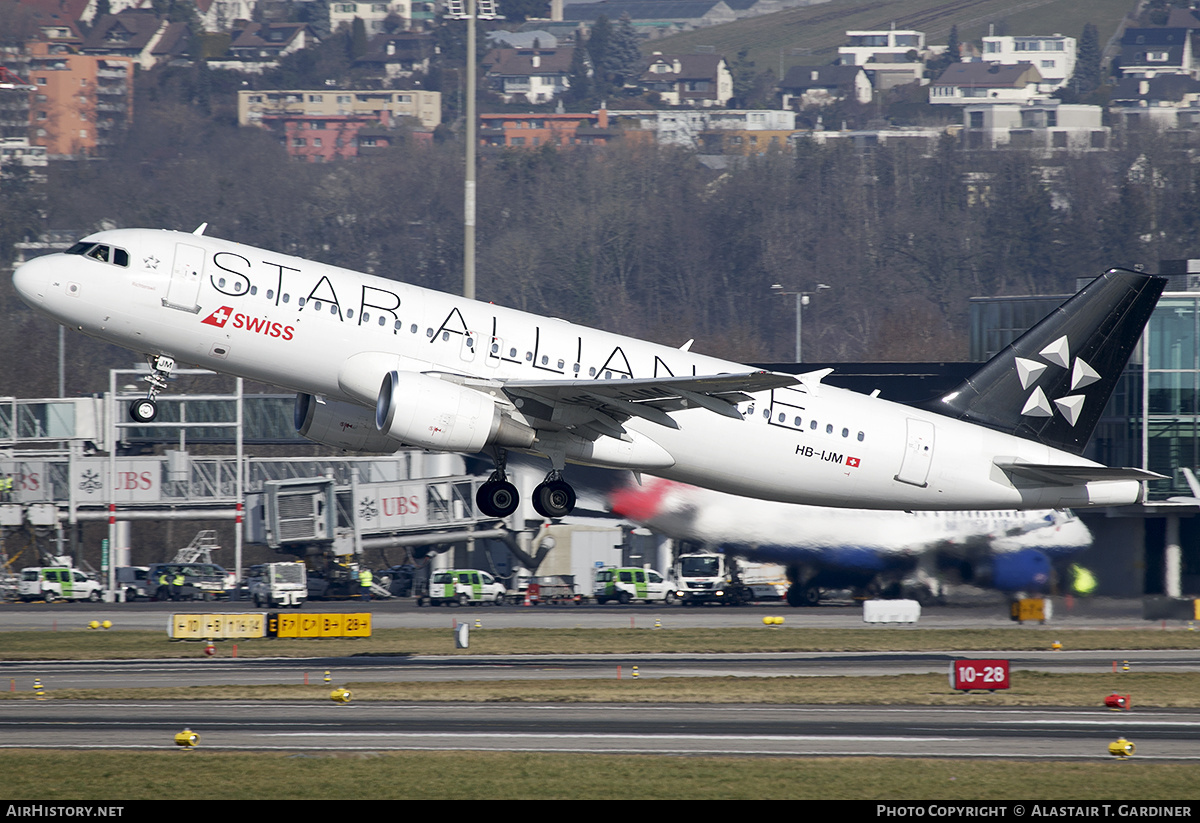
[436,414]
[343,425]
[1027,570]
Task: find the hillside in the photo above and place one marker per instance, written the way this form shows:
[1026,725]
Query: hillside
[811,35]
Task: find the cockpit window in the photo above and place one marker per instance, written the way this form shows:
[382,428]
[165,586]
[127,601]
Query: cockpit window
[101,252]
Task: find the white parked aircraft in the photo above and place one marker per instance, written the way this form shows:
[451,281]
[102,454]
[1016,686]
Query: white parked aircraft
[825,548]
[377,363]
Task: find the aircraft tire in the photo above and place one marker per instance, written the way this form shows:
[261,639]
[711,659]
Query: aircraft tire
[799,595]
[497,498]
[143,411]
[554,499]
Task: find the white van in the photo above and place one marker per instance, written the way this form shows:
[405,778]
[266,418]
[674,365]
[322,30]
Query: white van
[52,583]
[462,587]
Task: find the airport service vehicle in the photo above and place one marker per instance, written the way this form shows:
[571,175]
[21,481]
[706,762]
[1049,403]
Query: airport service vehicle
[278,585]
[463,587]
[52,583]
[705,577]
[624,585]
[377,364]
[135,581]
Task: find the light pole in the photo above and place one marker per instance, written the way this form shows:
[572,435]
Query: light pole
[802,299]
[472,10]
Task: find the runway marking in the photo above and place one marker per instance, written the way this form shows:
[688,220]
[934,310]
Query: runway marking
[643,737]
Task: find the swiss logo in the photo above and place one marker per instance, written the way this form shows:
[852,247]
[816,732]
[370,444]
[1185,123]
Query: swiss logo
[219,318]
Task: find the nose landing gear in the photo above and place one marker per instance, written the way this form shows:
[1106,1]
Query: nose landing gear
[146,409]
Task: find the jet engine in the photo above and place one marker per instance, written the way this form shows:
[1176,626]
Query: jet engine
[436,414]
[340,424]
[1027,570]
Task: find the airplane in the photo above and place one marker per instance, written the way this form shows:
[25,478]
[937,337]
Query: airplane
[866,550]
[378,363]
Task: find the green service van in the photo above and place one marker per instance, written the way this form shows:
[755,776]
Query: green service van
[463,587]
[625,585]
[52,583]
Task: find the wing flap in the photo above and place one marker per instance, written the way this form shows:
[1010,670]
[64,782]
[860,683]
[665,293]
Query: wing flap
[650,398]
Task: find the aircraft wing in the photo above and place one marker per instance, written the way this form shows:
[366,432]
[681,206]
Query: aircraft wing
[1056,475]
[603,404]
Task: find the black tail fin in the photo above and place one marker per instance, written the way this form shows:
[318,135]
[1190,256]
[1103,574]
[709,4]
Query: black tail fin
[1052,383]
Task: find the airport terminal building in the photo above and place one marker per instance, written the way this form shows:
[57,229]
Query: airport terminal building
[1152,422]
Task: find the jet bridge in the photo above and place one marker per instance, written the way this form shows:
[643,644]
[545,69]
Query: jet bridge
[318,515]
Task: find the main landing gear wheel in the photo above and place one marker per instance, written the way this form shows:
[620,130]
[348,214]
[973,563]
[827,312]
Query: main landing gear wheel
[143,411]
[497,498]
[806,595]
[554,498]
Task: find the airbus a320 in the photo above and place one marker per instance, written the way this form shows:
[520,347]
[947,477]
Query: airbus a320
[377,364]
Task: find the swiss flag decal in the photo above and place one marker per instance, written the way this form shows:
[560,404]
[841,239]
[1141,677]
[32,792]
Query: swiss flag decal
[852,462]
[219,318]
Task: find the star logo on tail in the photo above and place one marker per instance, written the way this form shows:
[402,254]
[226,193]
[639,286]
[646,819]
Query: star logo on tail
[1058,354]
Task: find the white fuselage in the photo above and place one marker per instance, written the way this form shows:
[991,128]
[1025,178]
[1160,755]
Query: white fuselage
[296,324]
[799,532]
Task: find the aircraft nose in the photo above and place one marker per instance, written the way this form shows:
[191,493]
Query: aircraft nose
[30,280]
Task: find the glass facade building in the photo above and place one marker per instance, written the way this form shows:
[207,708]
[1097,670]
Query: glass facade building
[1152,421]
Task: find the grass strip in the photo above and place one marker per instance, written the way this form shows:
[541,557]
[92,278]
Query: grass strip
[85,644]
[211,775]
[1147,689]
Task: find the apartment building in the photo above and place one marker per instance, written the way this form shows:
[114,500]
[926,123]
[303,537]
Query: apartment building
[374,105]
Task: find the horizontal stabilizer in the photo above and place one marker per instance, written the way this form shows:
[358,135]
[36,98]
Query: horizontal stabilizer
[1059,475]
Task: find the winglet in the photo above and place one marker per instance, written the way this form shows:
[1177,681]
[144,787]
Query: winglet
[200,229]
[1191,481]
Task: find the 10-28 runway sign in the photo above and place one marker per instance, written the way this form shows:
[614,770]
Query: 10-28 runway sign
[978,674]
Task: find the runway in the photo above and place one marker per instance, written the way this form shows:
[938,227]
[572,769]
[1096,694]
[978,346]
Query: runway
[129,674]
[760,730]
[611,728]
